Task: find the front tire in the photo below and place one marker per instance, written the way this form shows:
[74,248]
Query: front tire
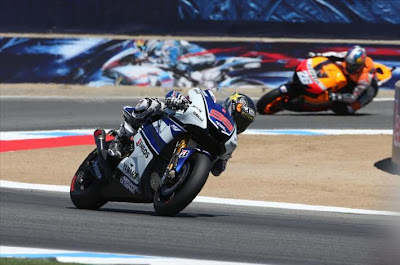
[271,102]
[341,108]
[196,169]
[85,190]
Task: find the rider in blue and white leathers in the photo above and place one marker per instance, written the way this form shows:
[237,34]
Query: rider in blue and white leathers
[241,108]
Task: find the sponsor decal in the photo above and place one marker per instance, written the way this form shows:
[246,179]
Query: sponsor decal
[233,143]
[196,107]
[128,167]
[97,170]
[128,185]
[175,128]
[197,116]
[143,147]
[248,113]
[184,153]
[221,117]
[313,75]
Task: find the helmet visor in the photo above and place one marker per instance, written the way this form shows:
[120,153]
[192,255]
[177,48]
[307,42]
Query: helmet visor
[242,123]
[351,68]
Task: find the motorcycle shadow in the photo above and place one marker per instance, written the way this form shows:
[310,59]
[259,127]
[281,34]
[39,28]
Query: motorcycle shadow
[388,166]
[152,213]
[149,212]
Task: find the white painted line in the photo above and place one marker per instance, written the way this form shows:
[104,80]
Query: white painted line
[25,135]
[31,186]
[102,258]
[292,206]
[383,99]
[235,202]
[317,132]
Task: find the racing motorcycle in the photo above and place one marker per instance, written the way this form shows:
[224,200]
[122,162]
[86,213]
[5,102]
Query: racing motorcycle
[310,88]
[167,161]
[133,67]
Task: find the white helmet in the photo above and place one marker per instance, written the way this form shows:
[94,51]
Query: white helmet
[355,59]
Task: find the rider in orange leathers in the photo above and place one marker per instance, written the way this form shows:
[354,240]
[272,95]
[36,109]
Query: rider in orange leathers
[361,74]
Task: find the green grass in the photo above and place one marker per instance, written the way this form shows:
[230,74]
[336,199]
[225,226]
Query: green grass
[12,261]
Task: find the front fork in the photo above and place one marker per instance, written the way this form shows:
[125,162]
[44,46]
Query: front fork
[170,171]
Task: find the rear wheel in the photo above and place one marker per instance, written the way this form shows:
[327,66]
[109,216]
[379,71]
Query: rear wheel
[172,198]
[271,102]
[85,187]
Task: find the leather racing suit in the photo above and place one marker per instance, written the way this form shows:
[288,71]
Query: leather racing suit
[134,117]
[363,82]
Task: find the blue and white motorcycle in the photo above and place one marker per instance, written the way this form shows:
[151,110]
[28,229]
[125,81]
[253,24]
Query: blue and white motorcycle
[168,161]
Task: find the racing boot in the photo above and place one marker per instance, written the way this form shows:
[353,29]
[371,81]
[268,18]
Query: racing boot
[114,149]
[122,138]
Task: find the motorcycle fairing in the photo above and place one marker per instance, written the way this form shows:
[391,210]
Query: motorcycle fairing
[319,74]
[217,115]
[161,132]
[152,138]
[185,154]
[383,73]
[134,165]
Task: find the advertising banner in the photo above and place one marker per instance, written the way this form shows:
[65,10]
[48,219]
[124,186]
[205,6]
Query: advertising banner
[166,63]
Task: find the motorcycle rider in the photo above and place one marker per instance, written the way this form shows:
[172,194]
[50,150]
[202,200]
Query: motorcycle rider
[361,74]
[240,107]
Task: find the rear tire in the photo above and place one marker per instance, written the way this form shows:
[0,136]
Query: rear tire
[85,189]
[271,102]
[197,174]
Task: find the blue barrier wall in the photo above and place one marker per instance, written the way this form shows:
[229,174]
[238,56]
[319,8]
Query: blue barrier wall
[361,19]
[293,11]
[86,16]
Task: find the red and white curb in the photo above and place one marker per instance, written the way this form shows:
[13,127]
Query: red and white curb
[28,140]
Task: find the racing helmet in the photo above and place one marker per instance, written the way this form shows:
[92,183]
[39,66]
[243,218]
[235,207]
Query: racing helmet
[242,110]
[140,44]
[355,59]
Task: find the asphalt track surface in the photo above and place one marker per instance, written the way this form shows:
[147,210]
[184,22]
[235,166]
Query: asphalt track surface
[63,113]
[201,231]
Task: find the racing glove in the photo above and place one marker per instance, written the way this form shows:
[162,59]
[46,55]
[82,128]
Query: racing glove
[178,102]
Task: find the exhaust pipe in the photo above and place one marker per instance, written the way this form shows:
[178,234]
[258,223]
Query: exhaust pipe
[100,139]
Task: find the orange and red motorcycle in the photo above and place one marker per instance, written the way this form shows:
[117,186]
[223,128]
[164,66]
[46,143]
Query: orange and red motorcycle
[311,86]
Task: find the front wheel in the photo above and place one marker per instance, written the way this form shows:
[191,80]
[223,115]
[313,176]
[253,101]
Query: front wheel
[341,108]
[271,102]
[85,187]
[195,173]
